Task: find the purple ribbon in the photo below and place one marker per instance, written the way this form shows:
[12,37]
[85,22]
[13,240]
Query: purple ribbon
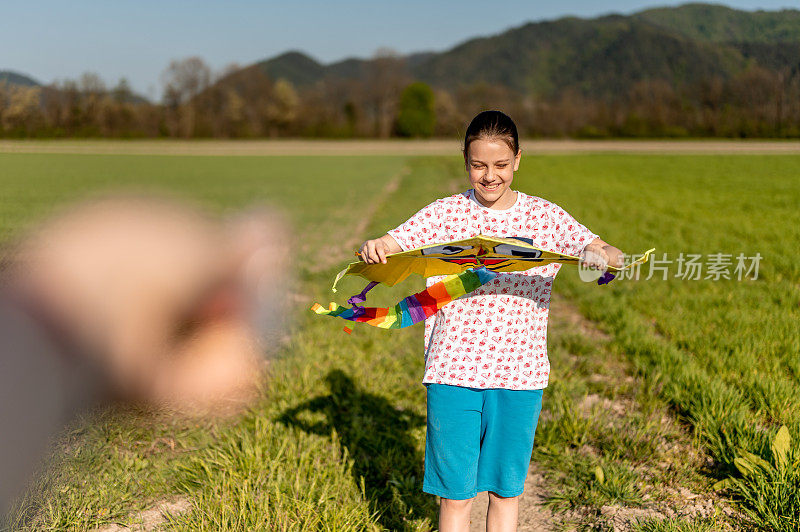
[360,298]
[606,278]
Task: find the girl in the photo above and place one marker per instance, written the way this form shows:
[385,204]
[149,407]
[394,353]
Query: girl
[486,353]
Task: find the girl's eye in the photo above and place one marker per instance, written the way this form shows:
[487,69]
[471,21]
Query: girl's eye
[502,165]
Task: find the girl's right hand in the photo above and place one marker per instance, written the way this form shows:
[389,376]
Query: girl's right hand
[374,251]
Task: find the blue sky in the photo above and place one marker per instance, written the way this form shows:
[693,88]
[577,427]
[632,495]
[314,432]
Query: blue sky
[52,39]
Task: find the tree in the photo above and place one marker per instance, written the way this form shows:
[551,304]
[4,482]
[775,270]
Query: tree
[247,94]
[19,108]
[450,119]
[283,107]
[386,73]
[416,116]
[185,78]
[122,93]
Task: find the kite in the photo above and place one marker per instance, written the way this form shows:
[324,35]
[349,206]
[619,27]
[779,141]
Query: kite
[468,264]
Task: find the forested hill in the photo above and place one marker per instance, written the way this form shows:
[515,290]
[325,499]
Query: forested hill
[716,23]
[15,78]
[603,56]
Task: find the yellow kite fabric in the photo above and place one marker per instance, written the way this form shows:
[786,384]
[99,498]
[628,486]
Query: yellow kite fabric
[496,254]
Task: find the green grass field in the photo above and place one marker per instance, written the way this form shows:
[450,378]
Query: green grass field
[658,388]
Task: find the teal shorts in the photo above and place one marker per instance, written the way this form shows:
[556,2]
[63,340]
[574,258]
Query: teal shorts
[479,440]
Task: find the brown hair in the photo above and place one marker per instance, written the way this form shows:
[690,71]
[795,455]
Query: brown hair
[492,125]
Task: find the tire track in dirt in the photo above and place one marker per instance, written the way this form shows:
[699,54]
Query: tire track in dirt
[533,515]
[339,252]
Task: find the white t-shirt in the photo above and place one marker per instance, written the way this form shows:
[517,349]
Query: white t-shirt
[496,336]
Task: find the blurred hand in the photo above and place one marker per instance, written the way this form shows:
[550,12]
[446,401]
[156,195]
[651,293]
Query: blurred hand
[170,306]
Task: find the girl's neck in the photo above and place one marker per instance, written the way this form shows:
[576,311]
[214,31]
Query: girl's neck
[503,203]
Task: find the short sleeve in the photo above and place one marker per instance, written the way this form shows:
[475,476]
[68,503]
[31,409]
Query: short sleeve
[569,235]
[422,229]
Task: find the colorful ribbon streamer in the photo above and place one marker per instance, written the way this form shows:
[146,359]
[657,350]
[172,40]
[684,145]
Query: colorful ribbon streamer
[413,309]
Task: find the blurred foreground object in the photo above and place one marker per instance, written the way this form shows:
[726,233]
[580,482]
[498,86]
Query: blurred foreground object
[133,298]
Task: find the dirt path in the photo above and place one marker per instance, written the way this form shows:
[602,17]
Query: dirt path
[386,147]
[151,519]
[533,516]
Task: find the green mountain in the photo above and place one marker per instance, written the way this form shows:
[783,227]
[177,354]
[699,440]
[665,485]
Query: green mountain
[600,57]
[15,78]
[718,23]
[303,70]
[294,66]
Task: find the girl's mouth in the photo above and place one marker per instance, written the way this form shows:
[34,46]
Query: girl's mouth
[493,186]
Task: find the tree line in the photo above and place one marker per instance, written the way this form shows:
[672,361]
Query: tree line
[387,102]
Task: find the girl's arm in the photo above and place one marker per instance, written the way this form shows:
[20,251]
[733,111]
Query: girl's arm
[374,251]
[419,230]
[600,254]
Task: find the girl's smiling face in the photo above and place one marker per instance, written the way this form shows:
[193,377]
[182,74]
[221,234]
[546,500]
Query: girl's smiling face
[491,164]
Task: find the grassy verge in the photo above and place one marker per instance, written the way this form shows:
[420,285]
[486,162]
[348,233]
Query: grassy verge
[612,454]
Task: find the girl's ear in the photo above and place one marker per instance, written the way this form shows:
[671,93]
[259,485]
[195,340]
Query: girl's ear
[516,159]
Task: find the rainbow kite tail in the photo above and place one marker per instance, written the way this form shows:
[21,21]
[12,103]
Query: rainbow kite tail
[414,308]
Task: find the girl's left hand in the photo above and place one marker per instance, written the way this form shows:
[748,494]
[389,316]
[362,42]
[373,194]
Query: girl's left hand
[595,258]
